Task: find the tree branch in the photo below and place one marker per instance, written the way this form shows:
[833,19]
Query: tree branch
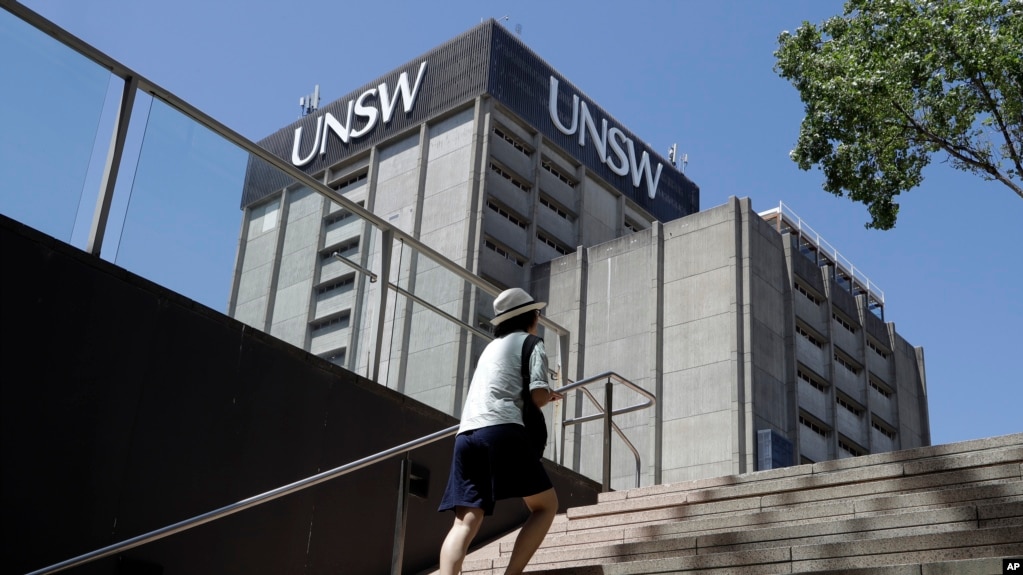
[952,149]
[1013,153]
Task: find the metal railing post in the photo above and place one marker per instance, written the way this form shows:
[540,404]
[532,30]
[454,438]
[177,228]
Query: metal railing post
[113,164]
[608,413]
[386,241]
[401,516]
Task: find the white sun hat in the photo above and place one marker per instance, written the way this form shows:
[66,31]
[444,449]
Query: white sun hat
[513,302]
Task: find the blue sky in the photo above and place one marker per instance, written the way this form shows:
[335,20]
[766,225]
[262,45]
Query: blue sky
[694,73]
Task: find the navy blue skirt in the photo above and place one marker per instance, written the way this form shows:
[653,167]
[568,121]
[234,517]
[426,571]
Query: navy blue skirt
[490,464]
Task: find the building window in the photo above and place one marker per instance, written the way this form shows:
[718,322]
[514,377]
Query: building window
[814,425]
[632,226]
[877,349]
[843,322]
[338,215]
[808,249]
[813,381]
[504,252]
[848,364]
[883,427]
[348,182]
[515,143]
[850,447]
[506,214]
[553,243]
[844,281]
[879,387]
[344,248]
[807,294]
[849,405]
[809,337]
[338,321]
[558,173]
[335,285]
[515,181]
[554,207]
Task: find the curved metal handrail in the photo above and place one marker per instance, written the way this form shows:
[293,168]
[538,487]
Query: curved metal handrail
[602,413]
[651,399]
[618,431]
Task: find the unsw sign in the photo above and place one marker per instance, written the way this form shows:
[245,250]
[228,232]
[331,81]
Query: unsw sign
[621,157]
[370,107]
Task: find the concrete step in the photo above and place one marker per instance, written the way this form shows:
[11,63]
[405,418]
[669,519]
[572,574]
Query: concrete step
[1001,481]
[917,455]
[860,532]
[792,487]
[825,529]
[913,512]
[902,554]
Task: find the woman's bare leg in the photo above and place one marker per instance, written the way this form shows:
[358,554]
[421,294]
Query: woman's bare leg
[456,544]
[542,508]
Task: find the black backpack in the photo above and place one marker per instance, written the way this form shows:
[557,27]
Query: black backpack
[532,417]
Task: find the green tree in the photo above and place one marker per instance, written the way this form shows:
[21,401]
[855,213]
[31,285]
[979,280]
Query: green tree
[891,83]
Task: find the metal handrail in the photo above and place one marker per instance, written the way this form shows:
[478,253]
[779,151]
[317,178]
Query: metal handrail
[618,431]
[246,503]
[300,177]
[143,84]
[338,472]
[607,416]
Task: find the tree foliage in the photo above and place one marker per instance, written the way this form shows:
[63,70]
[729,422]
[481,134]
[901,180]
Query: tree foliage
[891,83]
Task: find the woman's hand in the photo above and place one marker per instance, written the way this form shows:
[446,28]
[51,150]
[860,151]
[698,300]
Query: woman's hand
[544,395]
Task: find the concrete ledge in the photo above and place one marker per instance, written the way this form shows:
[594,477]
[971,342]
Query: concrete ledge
[661,514]
[920,453]
[958,494]
[966,460]
[933,481]
[758,519]
[761,562]
[985,566]
[918,557]
[924,522]
[942,541]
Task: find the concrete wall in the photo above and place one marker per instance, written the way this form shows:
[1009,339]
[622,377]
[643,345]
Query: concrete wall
[703,312]
[134,408]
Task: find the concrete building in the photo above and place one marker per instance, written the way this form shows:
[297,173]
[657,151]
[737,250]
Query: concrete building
[762,348]
[485,153]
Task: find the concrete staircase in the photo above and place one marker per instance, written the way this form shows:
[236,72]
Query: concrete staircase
[941,510]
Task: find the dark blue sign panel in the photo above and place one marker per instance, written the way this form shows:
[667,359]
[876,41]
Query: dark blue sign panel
[484,60]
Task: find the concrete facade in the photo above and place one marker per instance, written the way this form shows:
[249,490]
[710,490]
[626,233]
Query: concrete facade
[700,308]
[704,311]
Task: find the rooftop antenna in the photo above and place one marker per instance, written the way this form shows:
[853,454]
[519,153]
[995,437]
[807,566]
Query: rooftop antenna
[673,155]
[310,102]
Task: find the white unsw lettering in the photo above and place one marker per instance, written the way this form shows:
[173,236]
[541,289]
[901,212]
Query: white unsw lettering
[362,107]
[622,157]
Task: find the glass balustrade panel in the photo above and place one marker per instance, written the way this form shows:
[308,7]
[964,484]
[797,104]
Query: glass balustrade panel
[51,106]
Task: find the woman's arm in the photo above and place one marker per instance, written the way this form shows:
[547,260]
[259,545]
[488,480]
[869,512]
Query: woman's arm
[538,375]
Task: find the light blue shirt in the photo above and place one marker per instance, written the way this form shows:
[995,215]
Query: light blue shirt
[495,393]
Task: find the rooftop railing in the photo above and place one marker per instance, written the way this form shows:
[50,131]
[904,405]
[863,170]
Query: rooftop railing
[855,275]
